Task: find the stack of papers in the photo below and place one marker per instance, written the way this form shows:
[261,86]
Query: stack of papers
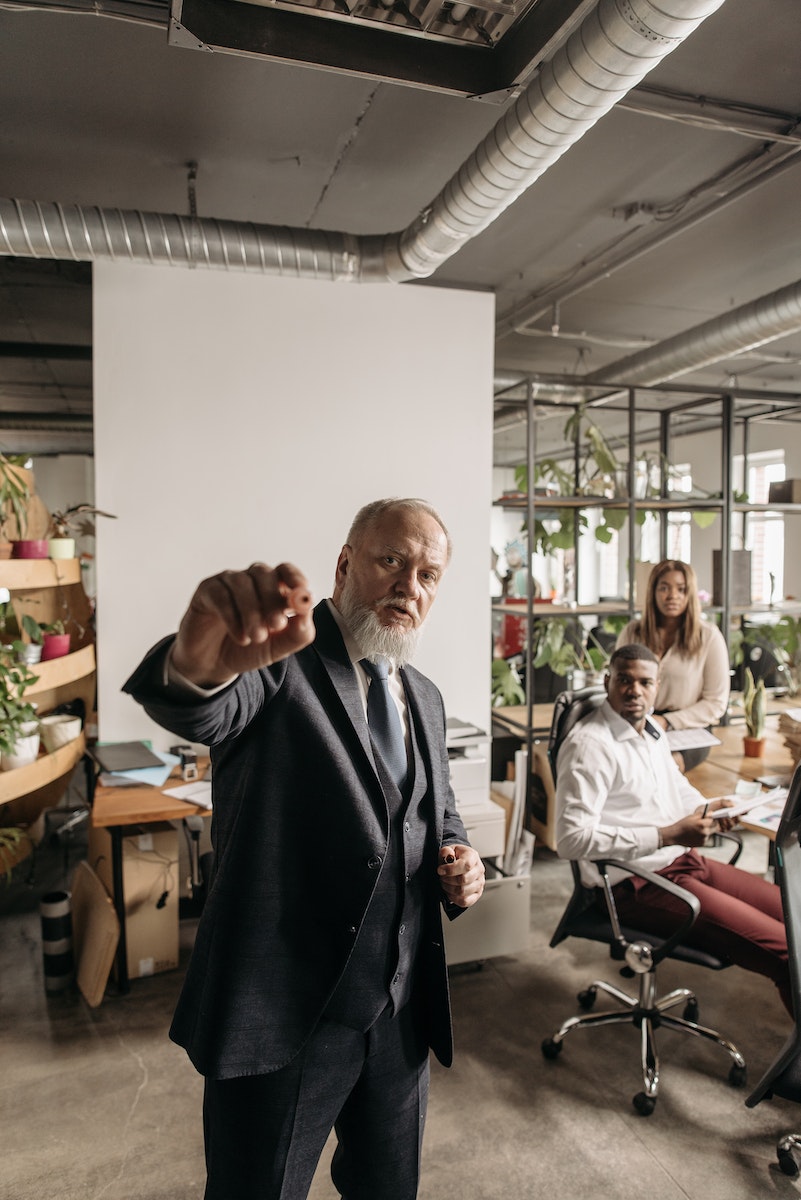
[691,739]
[741,804]
[790,726]
[456,730]
[152,776]
[198,793]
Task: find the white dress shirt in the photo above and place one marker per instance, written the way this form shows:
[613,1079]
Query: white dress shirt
[355,653]
[615,788]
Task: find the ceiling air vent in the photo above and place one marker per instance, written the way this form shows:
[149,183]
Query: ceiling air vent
[485,49]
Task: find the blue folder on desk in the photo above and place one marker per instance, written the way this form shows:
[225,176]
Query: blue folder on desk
[154,776]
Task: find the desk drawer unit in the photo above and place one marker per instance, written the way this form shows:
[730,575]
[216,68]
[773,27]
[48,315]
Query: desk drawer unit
[485,823]
[483,819]
[498,924]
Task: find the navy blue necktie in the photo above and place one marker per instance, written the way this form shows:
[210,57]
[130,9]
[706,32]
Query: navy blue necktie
[384,720]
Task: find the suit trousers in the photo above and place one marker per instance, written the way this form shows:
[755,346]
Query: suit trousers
[741,914]
[265,1133]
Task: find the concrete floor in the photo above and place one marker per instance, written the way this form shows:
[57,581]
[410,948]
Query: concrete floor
[97,1104]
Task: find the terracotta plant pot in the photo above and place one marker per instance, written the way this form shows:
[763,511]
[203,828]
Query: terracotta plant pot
[55,645]
[30,548]
[753,747]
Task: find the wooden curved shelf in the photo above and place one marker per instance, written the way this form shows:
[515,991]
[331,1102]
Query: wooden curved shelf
[47,768]
[26,573]
[48,590]
[57,672]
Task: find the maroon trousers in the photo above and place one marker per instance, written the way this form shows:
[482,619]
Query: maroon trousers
[741,915]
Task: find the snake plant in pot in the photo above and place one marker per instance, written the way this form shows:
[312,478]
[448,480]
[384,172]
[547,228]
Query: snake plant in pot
[755,708]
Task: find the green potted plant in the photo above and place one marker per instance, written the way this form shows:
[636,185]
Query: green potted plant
[569,650]
[55,640]
[15,844]
[595,473]
[506,688]
[46,640]
[755,709]
[19,729]
[15,493]
[70,523]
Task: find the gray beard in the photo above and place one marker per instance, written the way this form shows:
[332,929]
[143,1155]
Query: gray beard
[377,640]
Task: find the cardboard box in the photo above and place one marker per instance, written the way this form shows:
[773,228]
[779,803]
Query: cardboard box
[740,578]
[150,884]
[785,491]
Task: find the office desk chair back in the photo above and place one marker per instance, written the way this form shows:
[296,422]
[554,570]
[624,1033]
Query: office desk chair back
[783,1077]
[639,952]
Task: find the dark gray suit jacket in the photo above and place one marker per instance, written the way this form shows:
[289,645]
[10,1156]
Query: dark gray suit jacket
[299,820]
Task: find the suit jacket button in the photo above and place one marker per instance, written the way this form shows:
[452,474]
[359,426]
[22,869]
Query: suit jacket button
[374,862]
[352,929]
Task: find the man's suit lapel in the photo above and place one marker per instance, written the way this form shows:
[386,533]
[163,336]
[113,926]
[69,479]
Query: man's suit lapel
[335,659]
[422,721]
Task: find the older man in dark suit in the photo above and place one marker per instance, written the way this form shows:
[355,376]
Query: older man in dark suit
[318,978]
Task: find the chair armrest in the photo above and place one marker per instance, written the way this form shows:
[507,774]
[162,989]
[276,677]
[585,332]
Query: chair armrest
[731,837]
[667,885]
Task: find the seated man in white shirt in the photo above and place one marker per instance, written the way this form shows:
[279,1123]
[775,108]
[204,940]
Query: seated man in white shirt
[620,795]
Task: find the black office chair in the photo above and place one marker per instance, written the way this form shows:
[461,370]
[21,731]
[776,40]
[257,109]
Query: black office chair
[639,952]
[783,1077]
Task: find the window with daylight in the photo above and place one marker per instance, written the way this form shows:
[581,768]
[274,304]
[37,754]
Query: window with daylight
[762,533]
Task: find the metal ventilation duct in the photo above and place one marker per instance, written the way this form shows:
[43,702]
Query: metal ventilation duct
[744,328]
[615,47]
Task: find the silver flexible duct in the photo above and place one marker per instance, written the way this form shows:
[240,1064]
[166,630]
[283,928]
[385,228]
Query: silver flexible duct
[614,48]
[753,324]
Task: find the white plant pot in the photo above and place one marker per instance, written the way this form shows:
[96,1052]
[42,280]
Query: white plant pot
[30,654]
[61,547]
[57,730]
[25,752]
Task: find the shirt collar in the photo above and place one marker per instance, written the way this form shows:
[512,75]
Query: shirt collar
[621,728]
[355,652]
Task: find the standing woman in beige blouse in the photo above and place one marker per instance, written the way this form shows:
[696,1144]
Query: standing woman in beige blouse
[693,658]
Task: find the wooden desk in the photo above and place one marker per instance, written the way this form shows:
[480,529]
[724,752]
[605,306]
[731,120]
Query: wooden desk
[114,808]
[514,717]
[718,774]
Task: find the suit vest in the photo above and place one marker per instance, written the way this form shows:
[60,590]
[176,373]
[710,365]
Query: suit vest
[380,970]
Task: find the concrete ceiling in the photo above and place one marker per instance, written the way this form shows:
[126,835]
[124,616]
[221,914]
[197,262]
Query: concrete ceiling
[104,111]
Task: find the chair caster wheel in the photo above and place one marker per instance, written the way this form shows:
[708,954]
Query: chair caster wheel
[691,1011]
[645,1105]
[738,1076]
[550,1048]
[587,998]
[788,1162]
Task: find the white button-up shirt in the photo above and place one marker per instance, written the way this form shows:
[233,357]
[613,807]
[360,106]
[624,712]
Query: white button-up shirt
[615,788]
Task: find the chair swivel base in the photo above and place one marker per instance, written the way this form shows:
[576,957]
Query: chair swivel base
[788,1152]
[647,1012]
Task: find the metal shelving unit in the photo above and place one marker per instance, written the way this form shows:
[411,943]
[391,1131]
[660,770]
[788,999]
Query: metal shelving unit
[676,411]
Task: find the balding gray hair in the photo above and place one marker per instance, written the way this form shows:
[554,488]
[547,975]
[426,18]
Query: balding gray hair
[372,512]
